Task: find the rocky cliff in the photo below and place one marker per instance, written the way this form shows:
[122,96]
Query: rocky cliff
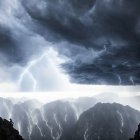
[7,132]
[137,134]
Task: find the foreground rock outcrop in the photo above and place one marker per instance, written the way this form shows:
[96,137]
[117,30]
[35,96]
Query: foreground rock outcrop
[7,132]
[137,134]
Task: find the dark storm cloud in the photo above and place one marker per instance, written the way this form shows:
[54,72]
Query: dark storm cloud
[119,67]
[17,43]
[110,28]
[17,47]
[86,22]
[102,37]
[9,46]
[5,40]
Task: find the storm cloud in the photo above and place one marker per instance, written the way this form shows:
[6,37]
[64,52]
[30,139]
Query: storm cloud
[99,38]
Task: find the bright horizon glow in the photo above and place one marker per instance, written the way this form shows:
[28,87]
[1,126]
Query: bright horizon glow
[75,92]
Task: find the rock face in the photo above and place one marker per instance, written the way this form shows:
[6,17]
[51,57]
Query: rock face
[7,132]
[105,122]
[80,119]
[137,134]
[56,118]
[38,121]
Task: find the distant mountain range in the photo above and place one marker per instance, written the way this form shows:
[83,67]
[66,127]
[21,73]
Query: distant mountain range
[79,119]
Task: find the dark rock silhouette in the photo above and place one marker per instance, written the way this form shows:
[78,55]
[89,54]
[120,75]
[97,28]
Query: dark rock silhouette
[7,132]
[137,134]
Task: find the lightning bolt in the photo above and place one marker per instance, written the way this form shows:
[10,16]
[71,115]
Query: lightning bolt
[105,49]
[119,78]
[51,130]
[27,71]
[40,130]
[59,134]
[131,79]
[122,121]
[50,55]
[46,122]
[65,118]
[19,128]
[91,10]
[85,134]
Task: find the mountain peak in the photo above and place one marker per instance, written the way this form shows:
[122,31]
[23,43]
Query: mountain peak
[106,121]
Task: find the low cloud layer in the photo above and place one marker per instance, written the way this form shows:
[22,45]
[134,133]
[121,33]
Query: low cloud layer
[99,39]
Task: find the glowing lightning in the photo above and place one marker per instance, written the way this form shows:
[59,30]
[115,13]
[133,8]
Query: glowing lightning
[85,134]
[131,79]
[8,109]
[19,128]
[59,126]
[27,71]
[76,111]
[51,56]
[40,130]
[105,49]
[120,80]
[50,128]
[122,121]
[65,118]
[91,10]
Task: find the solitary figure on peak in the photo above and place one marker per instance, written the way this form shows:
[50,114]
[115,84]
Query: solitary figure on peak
[11,121]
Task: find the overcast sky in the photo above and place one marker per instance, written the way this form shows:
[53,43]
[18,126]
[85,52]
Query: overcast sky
[69,45]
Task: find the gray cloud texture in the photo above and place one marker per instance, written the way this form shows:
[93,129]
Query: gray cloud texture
[100,38]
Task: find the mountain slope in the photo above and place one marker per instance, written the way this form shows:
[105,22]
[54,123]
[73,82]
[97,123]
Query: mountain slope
[37,121]
[66,120]
[105,122]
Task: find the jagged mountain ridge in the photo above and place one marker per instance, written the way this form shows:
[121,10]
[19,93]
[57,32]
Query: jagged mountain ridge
[105,121]
[59,120]
[36,121]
